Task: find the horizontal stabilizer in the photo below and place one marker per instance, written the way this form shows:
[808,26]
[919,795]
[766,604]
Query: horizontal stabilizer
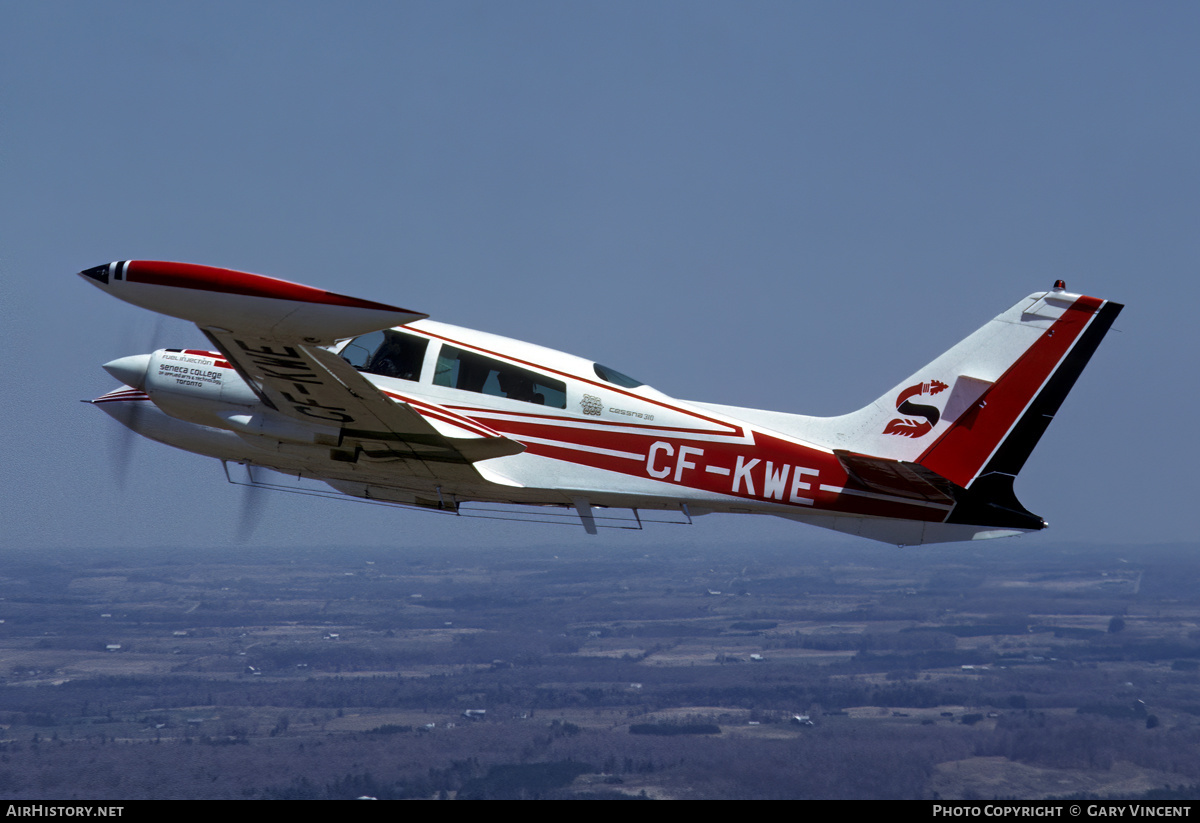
[896,478]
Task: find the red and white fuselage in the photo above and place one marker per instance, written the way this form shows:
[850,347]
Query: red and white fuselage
[382,404]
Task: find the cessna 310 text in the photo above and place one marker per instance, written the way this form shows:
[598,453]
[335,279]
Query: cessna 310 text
[384,405]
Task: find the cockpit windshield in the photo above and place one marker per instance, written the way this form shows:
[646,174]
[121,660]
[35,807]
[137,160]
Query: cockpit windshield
[388,353]
[616,378]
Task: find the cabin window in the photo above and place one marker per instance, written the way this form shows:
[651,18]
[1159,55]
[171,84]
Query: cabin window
[459,369]
[388,353]
[615,377]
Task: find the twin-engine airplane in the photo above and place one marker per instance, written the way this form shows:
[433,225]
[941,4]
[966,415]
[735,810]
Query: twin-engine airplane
[384,405]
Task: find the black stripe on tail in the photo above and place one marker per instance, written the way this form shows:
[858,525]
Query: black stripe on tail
[990,501]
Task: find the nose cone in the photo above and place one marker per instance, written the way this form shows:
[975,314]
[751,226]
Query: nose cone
[130,370]
[100,274]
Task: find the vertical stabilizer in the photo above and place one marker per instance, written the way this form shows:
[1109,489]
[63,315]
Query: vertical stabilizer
[991,395]
[964,425]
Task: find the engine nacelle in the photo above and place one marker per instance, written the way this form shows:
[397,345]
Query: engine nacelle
[195,385]
[202,387]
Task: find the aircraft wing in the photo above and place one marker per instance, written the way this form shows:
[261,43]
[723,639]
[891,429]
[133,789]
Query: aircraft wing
[314,386]
[273,332]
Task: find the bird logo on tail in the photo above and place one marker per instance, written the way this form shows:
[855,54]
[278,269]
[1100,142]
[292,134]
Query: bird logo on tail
[908,426]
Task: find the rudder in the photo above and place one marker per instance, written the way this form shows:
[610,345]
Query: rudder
[966,423]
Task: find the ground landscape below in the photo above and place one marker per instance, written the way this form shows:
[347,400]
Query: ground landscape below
[1003,669]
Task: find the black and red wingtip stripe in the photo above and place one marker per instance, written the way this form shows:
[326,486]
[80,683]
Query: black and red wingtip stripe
[227,281]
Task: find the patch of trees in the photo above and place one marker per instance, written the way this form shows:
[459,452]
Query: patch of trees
[347,787]
[524,781]
[1091,741]
[671,729]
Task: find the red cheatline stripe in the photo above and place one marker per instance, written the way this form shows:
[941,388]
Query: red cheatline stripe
[594,423]
[208,278]
[733,428]
[431,410]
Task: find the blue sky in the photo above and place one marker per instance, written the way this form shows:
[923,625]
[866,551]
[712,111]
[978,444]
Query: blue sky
[782,205]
